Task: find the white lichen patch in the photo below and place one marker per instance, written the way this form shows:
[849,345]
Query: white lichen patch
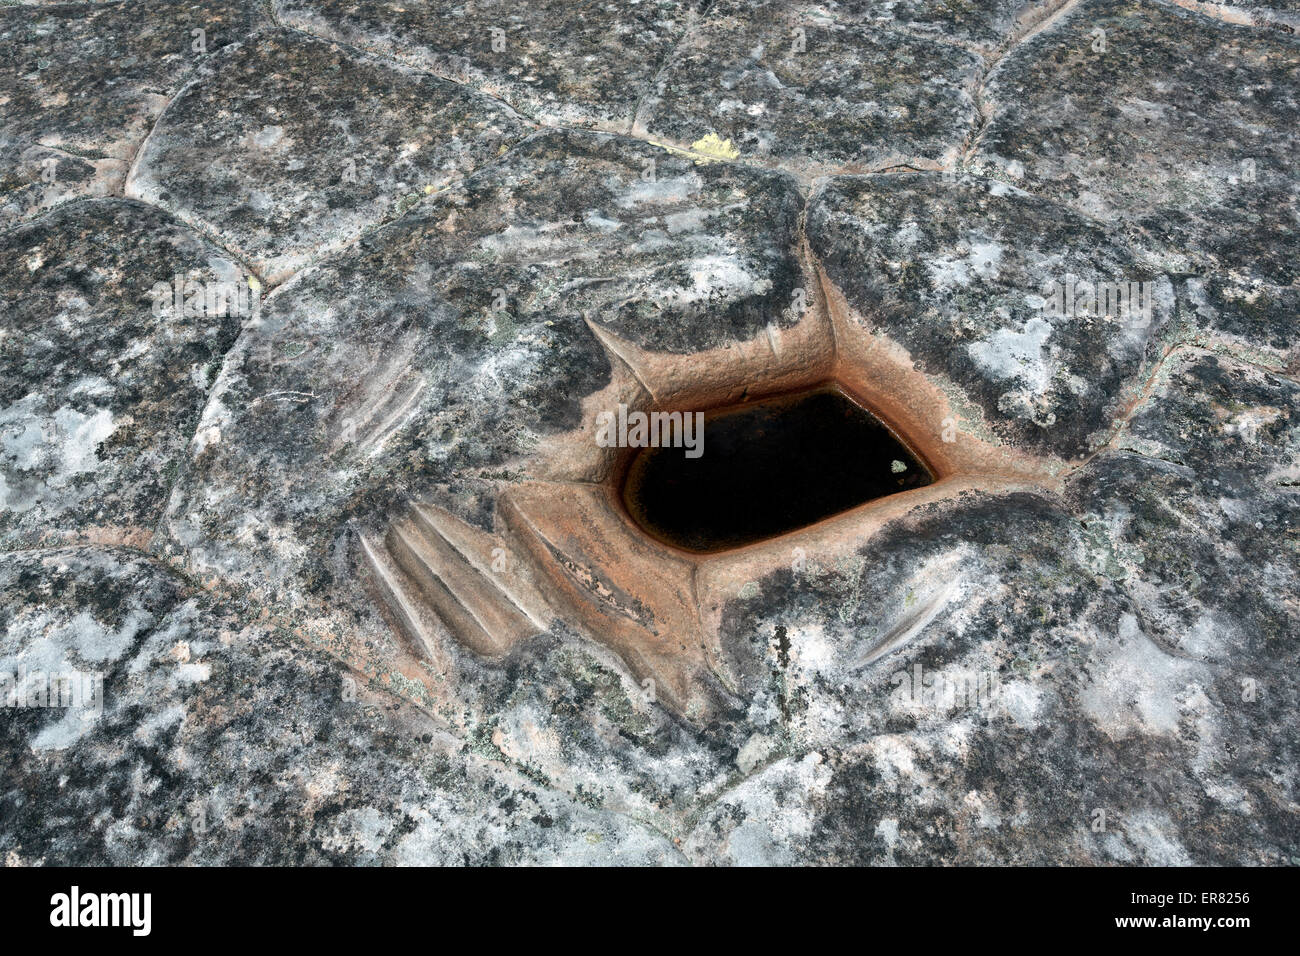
[1017,355]
[978,260]
[768,817]
[43,455]
[1135,686]
[1022,701]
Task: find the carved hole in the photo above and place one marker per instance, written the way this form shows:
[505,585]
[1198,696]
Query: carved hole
[768,467]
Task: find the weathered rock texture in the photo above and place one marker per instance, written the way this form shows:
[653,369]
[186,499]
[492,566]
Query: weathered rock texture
[810,86]
[236,153]
[306,328]
[100,389]
[84,83]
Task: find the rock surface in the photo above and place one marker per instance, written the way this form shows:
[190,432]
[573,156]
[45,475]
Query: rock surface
[577,64]
[102,382]
[958,272]
[227,377]
[1161,121]
[86,84]
[266,149]
[812,87]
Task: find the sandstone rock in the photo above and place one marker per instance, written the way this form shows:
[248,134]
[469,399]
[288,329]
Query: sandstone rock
[102,380]
[220,742]
[88,82]
[1161,122]
[358,577]
[812,86]
[559,62]
[286,147]
[962,273]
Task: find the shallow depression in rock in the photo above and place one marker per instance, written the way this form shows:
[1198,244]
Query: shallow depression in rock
[768,467]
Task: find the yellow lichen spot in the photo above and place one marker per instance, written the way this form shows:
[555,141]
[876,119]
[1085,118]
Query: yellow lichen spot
[716,147]
[254,284]
[430,189]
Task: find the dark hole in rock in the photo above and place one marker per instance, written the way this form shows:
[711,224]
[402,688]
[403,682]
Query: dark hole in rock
[768,467]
